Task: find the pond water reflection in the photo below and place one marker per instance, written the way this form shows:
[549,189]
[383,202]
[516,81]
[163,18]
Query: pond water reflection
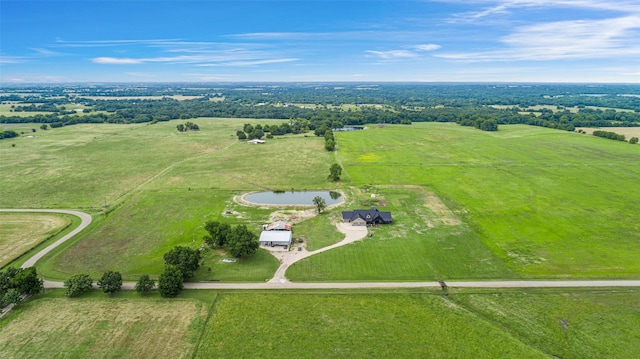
[294,198]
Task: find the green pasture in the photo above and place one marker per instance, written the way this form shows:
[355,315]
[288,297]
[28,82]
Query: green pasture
[417,246]
[523,202]
[133,238]
[86,166]
[547,203]
[578,324]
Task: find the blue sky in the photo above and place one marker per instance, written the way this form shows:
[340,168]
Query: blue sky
[359,41]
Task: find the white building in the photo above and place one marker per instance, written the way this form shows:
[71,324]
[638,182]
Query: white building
[276,238]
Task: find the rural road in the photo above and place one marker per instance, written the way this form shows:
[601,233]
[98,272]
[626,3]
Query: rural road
[284,284]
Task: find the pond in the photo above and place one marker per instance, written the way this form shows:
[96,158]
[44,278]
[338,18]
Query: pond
[294,198]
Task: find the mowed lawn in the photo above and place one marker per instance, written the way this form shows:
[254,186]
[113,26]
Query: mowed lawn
[20,232]
[548,203]
[102,328]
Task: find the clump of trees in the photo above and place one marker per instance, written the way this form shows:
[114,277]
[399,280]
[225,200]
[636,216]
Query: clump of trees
[609,135]
[633,140]
[329,140]
[238,241]
[251,132]
[180,263]
[479,123]
[187,260]
[17,283]
[189,126]
[8,134]
[170,281]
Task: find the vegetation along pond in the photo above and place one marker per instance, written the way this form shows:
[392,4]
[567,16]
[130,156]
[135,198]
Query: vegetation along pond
[294,198]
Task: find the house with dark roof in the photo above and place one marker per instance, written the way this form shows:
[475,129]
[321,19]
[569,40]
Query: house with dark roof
[366,217]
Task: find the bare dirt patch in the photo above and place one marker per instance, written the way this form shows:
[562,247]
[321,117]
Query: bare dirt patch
[124,328]
[20,232]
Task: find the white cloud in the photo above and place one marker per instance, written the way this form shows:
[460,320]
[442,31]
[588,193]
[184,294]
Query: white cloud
[116,61]
[392,54]
[253,62]
[427,47]
[575,39]
[6,60]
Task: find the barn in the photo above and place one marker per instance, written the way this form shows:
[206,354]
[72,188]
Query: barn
[276,238]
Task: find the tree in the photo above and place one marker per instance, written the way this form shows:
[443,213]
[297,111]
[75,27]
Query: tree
[185,258]
[110,282]
[242,241]
[335,171]
[78,283]
[44,127]
[633,140]
[241,135]
[145,284]
[26,281]
[320,203]
[330,145]
[218,233]
[180,127]
[12,296]
[170,281]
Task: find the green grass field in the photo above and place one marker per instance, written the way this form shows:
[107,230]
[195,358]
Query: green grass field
[523,202]
[577,324]
[547,203]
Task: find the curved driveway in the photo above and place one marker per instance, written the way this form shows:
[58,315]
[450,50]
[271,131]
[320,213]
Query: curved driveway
[86,220]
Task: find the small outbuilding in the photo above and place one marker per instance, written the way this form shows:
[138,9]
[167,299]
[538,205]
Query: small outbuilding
[276,238]
[256,142]
[276,226]
[366,217]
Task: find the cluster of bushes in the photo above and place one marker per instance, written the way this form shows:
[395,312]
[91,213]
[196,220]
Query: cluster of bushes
[8,134]
[189,126]
[238,240]
[16,284]
[481,124]
[609,135]
[329,140]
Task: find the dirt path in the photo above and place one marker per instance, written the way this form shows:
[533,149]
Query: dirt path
[287,258]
